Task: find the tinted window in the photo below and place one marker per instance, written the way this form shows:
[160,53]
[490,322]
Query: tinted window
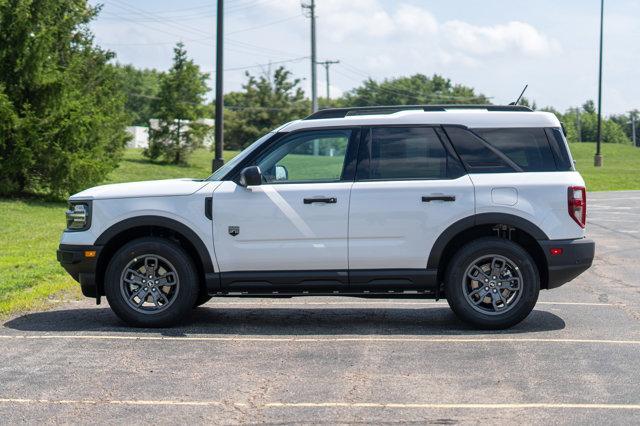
[528,148]
[559,146]
[306,157]
[406,153]
[477,157]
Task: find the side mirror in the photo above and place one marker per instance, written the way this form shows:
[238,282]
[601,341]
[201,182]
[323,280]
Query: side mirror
[250,176]
[281,173]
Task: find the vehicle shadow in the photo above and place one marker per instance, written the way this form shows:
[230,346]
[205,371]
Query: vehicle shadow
[281,321]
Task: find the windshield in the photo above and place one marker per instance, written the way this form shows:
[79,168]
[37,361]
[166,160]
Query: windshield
[222,171]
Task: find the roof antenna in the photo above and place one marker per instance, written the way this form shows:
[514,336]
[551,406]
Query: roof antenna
[520,97]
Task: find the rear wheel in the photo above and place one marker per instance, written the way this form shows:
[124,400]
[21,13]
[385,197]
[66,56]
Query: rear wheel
[492,283]
[151,282]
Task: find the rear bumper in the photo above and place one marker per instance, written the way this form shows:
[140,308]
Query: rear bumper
[81,268]
[577,257]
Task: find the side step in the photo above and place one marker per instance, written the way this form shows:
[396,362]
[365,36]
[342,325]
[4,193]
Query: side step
[391,294]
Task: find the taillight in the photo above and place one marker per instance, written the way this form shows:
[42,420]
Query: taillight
[577,199]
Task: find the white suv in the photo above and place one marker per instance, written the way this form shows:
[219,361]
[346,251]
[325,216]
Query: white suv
[479,205]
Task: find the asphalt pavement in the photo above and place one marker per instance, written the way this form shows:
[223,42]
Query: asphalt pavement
[575,359]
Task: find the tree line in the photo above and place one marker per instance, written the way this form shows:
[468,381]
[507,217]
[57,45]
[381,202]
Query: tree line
[65,102]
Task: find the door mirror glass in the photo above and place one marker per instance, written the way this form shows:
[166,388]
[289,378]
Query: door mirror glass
[250,176]
[281,173]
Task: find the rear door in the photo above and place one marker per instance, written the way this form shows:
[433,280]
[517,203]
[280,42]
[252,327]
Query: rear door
[409,188]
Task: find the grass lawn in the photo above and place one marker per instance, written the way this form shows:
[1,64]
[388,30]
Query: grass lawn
[620,170]
[29,272]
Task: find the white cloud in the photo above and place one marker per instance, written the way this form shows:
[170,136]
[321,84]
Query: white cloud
[415,20]
[513,36]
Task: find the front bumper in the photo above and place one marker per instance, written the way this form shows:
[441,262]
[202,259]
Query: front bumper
[577,257]
[81,268]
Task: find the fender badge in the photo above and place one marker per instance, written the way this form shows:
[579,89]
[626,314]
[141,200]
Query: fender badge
[234,230]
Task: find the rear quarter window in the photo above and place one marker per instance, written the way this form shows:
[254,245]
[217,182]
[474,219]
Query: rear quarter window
[529,148]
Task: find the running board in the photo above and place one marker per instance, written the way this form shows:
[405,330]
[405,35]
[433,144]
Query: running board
[391,294]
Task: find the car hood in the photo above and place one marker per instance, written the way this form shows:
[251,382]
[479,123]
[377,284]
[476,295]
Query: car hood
[152,188]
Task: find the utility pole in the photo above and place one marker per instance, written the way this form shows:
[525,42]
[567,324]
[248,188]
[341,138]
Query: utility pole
[579,124]
[326,65]
[633,129]
[597,159]
[218,161]
[311,7]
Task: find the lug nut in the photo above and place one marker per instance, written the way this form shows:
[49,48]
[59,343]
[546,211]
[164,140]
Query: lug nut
[156,281]
[486,280]
[486,288]
[495,291]
[146,289]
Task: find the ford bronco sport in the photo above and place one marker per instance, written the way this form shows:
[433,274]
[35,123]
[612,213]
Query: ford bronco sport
[479,205]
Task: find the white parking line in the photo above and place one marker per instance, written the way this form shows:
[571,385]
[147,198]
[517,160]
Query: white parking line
[482,406]
[323,339]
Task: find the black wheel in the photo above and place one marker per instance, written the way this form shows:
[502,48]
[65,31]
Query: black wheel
[202,299]
[492,283]
[151,282]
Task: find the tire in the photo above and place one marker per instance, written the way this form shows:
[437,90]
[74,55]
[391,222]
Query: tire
[498,303]
[143,302]
[202,299]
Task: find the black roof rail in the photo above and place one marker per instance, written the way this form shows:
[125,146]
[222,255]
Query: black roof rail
[344,112]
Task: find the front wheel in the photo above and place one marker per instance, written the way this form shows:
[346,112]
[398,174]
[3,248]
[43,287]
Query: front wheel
[151,282]
[492,283]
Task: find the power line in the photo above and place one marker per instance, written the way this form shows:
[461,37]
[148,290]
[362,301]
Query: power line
[266,64]
[279,21]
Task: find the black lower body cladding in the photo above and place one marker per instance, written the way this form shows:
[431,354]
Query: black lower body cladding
[566,259]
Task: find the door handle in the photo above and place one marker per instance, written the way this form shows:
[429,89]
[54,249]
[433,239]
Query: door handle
[438,198]
[327,200]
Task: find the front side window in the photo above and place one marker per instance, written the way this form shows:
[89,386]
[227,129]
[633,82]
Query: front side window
[314,156]
[405,153]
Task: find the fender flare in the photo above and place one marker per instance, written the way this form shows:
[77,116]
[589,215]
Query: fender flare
[164,222]
[480,219]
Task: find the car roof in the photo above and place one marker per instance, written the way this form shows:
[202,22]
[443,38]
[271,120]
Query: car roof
[473,118]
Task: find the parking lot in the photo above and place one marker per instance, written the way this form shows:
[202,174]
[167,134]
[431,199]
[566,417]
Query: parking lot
[576,358]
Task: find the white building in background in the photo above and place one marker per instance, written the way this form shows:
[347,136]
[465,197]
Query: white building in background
[139,137]
[208,141]
[140,134]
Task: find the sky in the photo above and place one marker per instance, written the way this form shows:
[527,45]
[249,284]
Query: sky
[495,46]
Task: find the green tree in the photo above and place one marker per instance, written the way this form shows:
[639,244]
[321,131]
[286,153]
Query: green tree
[624,121]
[61,110]
[582,124]
[265,103]
[416,89]
[179,105]
[141,87]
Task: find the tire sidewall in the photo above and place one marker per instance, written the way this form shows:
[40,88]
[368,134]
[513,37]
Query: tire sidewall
[484,247]
[187,275]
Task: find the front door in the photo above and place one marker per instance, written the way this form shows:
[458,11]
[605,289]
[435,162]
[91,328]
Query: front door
[291,230]
[409,188]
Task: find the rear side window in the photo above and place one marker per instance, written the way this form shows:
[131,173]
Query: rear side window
[527,147]
[559,146]
[405,153]
[477,157]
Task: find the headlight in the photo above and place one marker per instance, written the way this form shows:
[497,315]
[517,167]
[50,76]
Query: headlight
[78,216]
